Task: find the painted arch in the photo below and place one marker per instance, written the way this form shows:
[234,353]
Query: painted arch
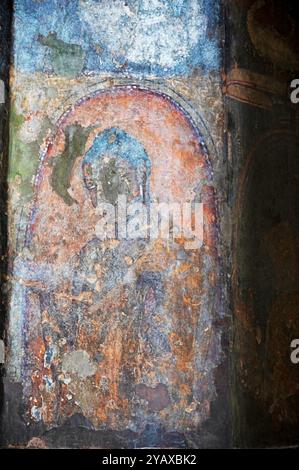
[122,332]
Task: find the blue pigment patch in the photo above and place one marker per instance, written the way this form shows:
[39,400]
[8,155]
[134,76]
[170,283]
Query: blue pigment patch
[163,38]
[115,142]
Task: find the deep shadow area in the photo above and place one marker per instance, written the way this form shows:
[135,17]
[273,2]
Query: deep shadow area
[262,58]
[6,12]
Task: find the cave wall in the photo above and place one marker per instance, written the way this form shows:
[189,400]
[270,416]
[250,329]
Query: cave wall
[262,133]
[140,342]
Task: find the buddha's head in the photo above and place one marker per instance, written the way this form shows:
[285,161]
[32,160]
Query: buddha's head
[115,165]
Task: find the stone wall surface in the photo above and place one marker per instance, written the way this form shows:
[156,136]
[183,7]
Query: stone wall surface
[134,340]
[262,130]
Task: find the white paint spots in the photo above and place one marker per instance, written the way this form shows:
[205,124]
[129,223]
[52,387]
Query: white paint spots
[30,130]
[64,379]
[149,33]
[2,92]
[78,363]
[130,276]
[15,340]
[36,413]
[2,352]
[49,356]
[34,102]
[49,384]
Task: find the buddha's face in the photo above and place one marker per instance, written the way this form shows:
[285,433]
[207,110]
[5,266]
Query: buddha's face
[111,177]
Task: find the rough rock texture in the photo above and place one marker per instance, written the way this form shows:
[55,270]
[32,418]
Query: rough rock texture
[138,342]
[262,38]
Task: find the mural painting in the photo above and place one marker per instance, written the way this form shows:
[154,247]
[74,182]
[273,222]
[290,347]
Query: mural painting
[120,335]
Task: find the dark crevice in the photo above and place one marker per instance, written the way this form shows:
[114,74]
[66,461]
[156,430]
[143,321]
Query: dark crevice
[6,14]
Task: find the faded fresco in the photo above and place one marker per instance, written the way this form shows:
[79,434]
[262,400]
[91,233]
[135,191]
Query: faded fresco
[122,337]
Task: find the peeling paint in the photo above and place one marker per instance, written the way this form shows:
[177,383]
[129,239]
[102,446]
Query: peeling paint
[78,363]
[122,334]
